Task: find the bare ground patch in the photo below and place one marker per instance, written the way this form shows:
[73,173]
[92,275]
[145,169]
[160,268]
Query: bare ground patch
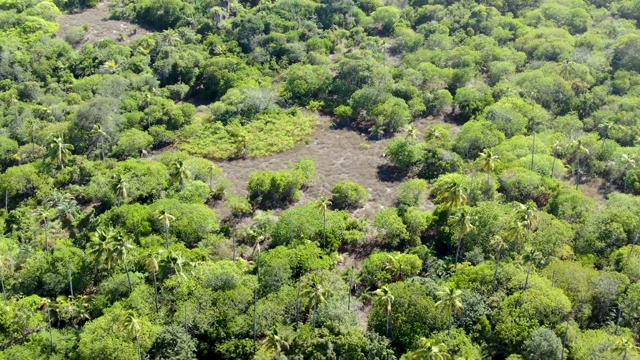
[100,26]
[339,154]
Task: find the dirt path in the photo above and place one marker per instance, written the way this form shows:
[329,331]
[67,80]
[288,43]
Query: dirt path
[339,154]
[100,26]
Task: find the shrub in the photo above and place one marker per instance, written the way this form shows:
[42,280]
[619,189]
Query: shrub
[412,192]
[131,143]
[275,188]
[240,205]
[390,225]
[348,194]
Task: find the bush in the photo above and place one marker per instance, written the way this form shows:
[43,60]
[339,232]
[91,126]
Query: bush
[240,205]
[348,194]
[390,226]
[275,188]
[131,143]
[412,192]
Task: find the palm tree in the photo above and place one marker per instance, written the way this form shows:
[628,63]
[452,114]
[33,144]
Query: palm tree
[323,203]
[277,341]
[59,152]
[377,130]
[517,231]
[166,219]
[179,173]
[532,257]
[120,187]
[384,294]
[428,351]
[463,221]
[498,243]
[44,216]
[624,346]
[579,151]
[316,293]
[628,162]
[121,245]
[131,325]
[153,264]
[212,169]
[556,148]
[101,135]
[411,131]
[450,302]
[45,304]
[606,127]
[101,248]
[529,214]
[488,161]
[453,195]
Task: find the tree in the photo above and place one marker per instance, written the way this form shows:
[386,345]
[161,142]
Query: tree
[100,247]
[427,350]
[277,341]
[517,231]
[102,136]
[316,293]
[153,264]
[453,195]
[131,325]
[179,173]
[5,261]
[450,302]
[488,161]
[120,187]
[323,203]
[463,222]
[45,304]
[579,151]
[531,257]
[384,294]
[543,345]
[498,244]
[627,162]
[44,216]
[121,246]
[556,148]
[166,219]
[59,151]
[624,347]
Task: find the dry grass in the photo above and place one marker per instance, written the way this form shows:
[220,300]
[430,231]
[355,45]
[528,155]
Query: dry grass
[100,26]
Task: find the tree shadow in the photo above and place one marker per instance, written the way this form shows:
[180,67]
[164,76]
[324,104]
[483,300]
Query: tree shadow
[390,173]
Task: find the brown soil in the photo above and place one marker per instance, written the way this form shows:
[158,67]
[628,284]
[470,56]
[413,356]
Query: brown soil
[100,26]
[339,154]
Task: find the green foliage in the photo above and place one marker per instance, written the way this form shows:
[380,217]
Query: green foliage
[392,230]
[412,192]
[384,267]
[274,188]
[348,194]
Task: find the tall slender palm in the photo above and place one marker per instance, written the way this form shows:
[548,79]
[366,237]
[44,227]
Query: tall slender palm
[411,131]
[498,244]
[212,169]
[529,214]
[556,148]
[121,246]
[153,263]
[463,222]
[101,136]
[277,341]
[450,302]
[131,325]
[394,263]
[427,350]
[120,187]
[579,151]
[533,258]
[453,195]
[166,220]
[179,173]
[324,203]
[45,305]
[517,231]
[59,152]
[5,261]
[488,161]
[384,294]
[44,216]
[627,162]
[316,293]
[606,128]
[625,347]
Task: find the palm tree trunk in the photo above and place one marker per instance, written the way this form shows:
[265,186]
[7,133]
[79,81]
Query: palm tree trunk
[449,326]
[186,327]
[624,188]
[495,274]
[388,321]
[155,289]
[315,314]
[255,318]
[6,200]
[564,340]
[298,307]
[46,236]
[553,165]
[53,346]
[233,255]
[4,294]
[526,282]
[166,235]
[70,280]
[138,343]
[324,222]
[350,287]
[126,269]
[533,149]
[102,147]
[458,248]
[578,175]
